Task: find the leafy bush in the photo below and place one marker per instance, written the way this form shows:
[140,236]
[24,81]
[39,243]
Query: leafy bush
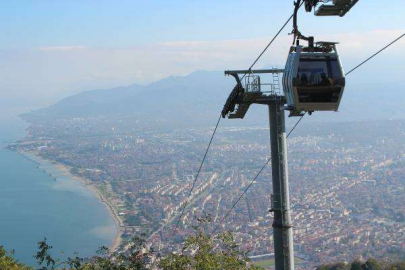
[8,262]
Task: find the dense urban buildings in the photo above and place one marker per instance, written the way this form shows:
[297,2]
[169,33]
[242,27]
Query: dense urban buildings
[347,182]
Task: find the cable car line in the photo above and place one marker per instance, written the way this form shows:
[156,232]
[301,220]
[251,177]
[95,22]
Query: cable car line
[313,80]
[368,59]
[271,42]
[213,134]
[196,177]
[251,182]
[296,34]
[267,162]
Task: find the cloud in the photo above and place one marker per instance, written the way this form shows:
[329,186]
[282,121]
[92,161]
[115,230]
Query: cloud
[47,74]
[61,48]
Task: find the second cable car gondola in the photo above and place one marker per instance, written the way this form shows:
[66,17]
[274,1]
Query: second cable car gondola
[313,78]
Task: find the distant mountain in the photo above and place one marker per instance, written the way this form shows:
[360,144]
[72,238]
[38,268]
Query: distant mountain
[174,99]
[197,99]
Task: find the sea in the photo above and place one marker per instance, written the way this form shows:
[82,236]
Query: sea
[38,200]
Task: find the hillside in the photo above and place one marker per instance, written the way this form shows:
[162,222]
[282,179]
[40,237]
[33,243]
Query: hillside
[196,99]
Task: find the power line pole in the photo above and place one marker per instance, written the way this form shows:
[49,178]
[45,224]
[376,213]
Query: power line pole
[282,228]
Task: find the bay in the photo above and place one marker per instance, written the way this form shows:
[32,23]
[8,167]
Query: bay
[34,205]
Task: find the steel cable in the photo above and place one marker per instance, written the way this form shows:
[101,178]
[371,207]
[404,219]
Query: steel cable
[209,145]
[271,42]
[368,59]
[196,177]
[251,182]
[264,166]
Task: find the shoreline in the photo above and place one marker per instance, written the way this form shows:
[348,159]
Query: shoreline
[117,240]
[114,246]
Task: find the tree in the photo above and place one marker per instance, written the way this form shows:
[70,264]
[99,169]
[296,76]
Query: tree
[356,265]
[372,264]
[200,252]
[203,252]
[335,266]
[136,258]
[43,256]
[8,262]
[397,266]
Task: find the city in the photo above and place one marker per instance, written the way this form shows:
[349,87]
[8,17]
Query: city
[346,182]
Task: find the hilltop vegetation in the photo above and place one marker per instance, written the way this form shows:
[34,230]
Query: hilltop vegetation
[370,264]
[8,262]
[200,251]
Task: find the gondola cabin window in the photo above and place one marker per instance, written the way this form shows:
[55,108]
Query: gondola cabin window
[318,80]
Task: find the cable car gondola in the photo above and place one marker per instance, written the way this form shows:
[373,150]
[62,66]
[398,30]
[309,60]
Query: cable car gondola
[313,78]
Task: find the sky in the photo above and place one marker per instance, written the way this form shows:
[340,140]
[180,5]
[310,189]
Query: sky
[53,49]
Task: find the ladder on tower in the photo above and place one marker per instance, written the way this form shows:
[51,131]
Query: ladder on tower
[276,84]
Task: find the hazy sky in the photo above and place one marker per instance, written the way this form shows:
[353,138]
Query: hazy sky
[51,49]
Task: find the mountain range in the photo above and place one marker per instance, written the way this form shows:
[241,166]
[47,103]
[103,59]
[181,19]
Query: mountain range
[197,99]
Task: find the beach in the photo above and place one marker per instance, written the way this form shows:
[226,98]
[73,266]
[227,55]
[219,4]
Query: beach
[113,213]
[66,172]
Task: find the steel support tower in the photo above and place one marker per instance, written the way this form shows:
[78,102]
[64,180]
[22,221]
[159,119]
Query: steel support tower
[243,98]
[282,228]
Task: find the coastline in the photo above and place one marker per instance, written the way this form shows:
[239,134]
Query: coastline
[113,213]
[117,240]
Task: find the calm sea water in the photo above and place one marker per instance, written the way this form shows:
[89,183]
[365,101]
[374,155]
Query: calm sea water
[33,205]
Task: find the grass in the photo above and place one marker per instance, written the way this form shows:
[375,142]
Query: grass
[270,263]
[265,263]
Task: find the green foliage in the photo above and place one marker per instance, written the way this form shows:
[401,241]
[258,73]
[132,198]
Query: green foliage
[202,252]
[134,259]
[43,256]
[8,262]
[370,264]
[335,266]
[356,265]
[397,266]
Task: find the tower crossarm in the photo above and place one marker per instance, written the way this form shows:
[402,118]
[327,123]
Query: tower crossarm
[250,89]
